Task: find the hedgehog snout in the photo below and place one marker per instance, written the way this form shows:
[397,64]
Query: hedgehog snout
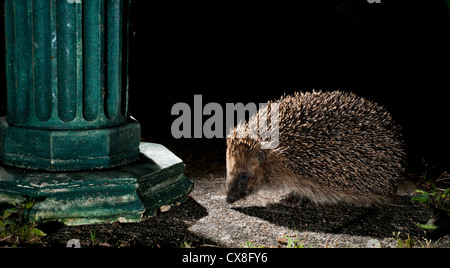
[231,199]
[235,196]
[238,187]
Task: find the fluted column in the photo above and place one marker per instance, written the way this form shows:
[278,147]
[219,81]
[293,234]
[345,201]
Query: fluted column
[67,81]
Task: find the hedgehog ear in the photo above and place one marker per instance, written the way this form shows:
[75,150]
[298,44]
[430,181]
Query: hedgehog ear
[261,157]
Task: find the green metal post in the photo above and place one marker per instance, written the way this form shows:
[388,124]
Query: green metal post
[67,86]
[67,114]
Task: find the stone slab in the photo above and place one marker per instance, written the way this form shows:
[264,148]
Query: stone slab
[124,194]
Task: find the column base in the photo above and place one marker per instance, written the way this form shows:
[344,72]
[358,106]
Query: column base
[124,194]
[69,150]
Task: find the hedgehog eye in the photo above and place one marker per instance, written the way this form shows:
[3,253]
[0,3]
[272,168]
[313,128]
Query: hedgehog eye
[243,177]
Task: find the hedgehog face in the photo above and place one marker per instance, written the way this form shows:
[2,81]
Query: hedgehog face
[239,187]
[243,174]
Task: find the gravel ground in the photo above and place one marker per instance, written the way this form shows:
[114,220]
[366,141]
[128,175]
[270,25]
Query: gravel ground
[206,220]
[261,221]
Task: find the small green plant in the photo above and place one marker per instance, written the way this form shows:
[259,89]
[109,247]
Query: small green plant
[428,226]
[413,242]
[93,241]
[15,226]
[435,195]
[291,243]
[249,244]
[427,243]
[185,244]
[403,243]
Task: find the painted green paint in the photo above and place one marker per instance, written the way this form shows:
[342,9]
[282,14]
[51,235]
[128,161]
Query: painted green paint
[67,114]
[125,194]
[66,63]
[67,83]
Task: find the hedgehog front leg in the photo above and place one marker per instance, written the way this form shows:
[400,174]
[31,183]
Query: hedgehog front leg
[293,200]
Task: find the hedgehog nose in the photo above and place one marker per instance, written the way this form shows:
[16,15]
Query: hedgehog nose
[230,200]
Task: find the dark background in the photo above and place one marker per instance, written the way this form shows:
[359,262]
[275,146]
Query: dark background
[396,53]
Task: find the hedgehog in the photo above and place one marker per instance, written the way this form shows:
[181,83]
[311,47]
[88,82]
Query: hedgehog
[333,147]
